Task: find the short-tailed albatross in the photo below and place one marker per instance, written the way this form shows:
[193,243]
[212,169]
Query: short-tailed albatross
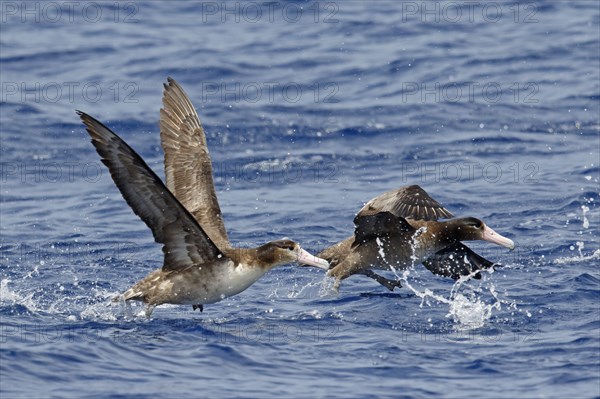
[399,229]
[200,266]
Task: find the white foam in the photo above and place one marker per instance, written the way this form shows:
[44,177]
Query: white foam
[580,258]
[471,312]
[72,307]
[8,297]
[98,311]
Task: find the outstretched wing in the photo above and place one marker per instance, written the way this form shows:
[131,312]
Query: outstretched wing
[184,241]
[188,168]
[411,202]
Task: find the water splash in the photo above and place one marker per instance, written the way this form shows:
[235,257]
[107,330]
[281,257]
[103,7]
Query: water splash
[380,249]
[415,244]
[327,289]
[95,304]
[307,289]
[580,258]
[9,297]
[98,311]
[465,304]
[586,222]
[470,312]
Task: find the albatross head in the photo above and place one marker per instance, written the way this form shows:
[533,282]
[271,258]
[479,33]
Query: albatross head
[474,229]
[284,251]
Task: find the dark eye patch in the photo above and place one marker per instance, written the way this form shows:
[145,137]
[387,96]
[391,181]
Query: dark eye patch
[285,245]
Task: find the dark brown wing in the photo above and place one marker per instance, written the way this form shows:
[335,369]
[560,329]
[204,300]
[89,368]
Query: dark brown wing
[411,202]
[188,167]
[184,241]
[379,225]
[455,261]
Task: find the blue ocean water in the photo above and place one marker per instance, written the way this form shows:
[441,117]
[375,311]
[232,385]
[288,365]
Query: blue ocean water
[311,109]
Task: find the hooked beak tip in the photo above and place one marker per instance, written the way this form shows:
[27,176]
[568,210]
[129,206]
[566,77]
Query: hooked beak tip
[493,237]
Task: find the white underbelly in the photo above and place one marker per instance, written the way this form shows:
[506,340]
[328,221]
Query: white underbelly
[226,281]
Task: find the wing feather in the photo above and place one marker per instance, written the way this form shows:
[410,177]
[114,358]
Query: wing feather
[184,241]
[411,202]
[188,167]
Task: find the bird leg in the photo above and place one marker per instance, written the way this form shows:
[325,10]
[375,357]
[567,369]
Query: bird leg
[127,309]
[339,272]
[149,309]
[386,282]
[336,285]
